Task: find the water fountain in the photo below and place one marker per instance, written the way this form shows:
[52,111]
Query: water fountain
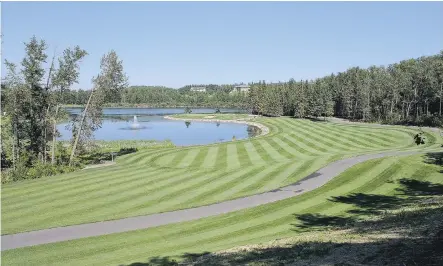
[135,124]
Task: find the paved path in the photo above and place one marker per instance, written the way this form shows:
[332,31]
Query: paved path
[308,183]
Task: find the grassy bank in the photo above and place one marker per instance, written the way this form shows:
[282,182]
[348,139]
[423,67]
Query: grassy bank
[114,145]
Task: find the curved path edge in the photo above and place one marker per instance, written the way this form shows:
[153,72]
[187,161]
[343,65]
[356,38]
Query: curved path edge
[264,129]
[311,182]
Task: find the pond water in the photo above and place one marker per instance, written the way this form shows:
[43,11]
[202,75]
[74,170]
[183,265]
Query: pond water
[118,124]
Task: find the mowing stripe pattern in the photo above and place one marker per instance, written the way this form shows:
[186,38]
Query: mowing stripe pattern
[158,180]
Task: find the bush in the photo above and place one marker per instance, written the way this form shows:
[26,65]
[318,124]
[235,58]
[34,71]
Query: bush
[393,118]
[124,151]
[37,170]
[432,121]
[20,172]
[40,169]
[421,121]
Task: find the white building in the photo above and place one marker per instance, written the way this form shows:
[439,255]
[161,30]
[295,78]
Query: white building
[198,89]
[241,89]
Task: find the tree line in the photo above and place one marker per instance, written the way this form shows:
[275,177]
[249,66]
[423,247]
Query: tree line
[408,92]
[217,96]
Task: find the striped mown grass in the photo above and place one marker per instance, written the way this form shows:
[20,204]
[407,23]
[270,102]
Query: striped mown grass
[371,180]
[159,180]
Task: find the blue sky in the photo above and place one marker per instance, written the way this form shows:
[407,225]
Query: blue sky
[179,43]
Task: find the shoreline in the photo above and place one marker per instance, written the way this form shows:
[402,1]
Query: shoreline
[264,130]
[160,107]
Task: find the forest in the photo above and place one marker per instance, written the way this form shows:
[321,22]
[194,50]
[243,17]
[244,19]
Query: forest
[408,92]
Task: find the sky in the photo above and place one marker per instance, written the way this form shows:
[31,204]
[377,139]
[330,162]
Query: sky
[179,43]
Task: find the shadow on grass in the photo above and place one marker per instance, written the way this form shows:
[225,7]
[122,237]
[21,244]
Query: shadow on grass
[365,204]
[411,192]
[402,238]
[156,261]
[412,236]
[313,221]
[387,251]
[370,203]
[434,158]
[412,187]
[267,256]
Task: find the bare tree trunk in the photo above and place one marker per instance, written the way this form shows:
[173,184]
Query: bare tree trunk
[47,109]
[54,137]
[408,108]
[416,110]
[13,151]
[16,139]
[44,145]
[45,135]
[403,110]
[74,147]
[416,103]
[441,92]
[14,135]
[439,112]
[355,110]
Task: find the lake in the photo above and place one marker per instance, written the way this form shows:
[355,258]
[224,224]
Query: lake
[117,124]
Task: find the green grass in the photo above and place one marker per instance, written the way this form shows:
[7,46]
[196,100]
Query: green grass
[360,198]
[116,145]
[157,180]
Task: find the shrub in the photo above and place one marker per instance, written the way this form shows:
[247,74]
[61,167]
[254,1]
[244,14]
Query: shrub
[20,172]
[393,118]
[124,151]
[432,121]
[37,170]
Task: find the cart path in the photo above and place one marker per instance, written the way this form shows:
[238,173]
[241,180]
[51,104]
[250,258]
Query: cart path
[308,183]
